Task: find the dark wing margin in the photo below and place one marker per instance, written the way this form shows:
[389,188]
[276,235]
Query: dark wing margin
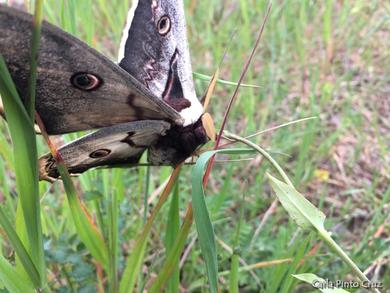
[116,145]
[77,87]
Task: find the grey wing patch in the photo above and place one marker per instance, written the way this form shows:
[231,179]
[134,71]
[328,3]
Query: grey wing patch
[154,49]
[120,144]
[77,87]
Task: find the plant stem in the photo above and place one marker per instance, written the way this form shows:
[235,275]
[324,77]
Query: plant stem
[263,153]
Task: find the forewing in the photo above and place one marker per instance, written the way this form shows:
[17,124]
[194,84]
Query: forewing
[77,87]
[119,144]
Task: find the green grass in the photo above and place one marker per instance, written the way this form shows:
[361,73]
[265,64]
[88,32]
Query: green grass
[328,59]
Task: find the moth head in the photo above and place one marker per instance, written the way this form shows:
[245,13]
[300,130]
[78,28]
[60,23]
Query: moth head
[154,49]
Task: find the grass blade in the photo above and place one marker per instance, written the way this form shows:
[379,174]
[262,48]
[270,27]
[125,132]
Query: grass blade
[174,254]
[172,231]
[32,82]
[234,267]
[86,229]
[205,77]
[235,94]
[113,243]
[11,279]
[20,250]
[26,170]
[202,218]
[134,261]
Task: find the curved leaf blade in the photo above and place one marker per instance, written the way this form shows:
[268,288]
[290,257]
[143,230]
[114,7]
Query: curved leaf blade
[202,217]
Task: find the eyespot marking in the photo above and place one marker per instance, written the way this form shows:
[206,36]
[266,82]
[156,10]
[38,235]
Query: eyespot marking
[85,81]
[101,153]
[164,25]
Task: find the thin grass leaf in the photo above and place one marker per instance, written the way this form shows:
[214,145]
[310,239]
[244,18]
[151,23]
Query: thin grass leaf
[171,233]
[26,170]
[210,89]
[233,275]
[234,267]
[21,251]
[134,261]
[208,78]
[35,41]
[173,257]
[236,90]
[297,250]
[86,229]
[11,279]
[21,231]
[201,215]
[113,243]
[316,282]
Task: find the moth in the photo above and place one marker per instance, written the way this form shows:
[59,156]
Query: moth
[145,102]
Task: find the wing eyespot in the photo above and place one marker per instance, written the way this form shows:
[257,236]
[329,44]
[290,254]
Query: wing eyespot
[98,154]
[164,25]
[85,81]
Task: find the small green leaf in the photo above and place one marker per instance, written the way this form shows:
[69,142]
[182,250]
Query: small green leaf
[302,211]
[318,283]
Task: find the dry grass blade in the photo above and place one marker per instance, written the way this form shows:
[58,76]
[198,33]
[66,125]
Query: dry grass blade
[210,90]
[84,223]
[233,98]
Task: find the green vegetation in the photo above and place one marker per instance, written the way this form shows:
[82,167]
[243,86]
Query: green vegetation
[329,59]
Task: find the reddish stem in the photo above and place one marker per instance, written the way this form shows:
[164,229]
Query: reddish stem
[235,94]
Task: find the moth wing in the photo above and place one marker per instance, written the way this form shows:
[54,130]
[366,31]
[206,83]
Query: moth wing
[119,144]
[155,40]
[77,87]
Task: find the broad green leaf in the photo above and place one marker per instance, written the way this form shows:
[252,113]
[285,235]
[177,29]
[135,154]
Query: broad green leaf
[318,283]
